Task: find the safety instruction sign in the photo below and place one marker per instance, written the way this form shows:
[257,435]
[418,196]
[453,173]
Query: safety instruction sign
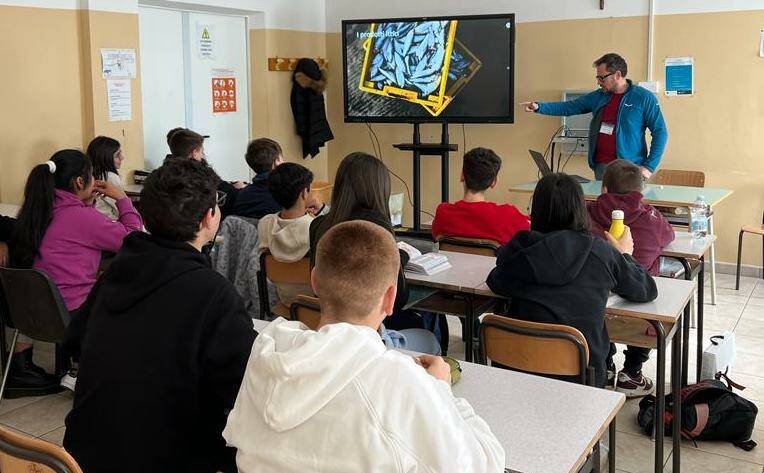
[205,40]
[223,94]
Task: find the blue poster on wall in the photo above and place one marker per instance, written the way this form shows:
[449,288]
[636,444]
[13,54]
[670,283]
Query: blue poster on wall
[680,76]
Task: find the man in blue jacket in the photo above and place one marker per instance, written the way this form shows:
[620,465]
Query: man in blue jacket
[620,113]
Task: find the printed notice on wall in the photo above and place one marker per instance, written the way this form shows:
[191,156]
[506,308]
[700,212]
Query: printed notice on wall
[205,40]
[680,76]
[120,99]
[117,63]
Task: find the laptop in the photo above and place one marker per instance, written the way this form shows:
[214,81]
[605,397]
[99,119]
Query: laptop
[538,158]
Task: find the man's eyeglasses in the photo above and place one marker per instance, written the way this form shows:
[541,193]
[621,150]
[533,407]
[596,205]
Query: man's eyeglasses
[601,78]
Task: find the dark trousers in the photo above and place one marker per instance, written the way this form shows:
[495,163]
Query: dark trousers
[635,357]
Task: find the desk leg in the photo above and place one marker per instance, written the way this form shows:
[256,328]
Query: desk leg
[713,261]
[686,326]
[676,374]
[469,312]
[701,295]
[611,447]
[660,392]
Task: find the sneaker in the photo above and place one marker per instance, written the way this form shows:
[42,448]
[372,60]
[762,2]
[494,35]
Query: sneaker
[69,380]
[610,379]
[637,386]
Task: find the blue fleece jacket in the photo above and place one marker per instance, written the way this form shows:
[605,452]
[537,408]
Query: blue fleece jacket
[639,109]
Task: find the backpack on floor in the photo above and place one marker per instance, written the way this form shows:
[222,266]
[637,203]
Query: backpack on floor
[710,411]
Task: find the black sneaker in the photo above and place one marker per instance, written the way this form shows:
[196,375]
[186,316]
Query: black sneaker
[27,379]
[637,386]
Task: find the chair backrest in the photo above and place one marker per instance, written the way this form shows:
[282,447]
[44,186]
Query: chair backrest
[278,272]
[307,310]
[533,347]
[34,304]
[21,453]
[474,246]
[675,177]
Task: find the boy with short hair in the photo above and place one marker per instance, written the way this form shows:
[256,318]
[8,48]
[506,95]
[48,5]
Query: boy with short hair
[188,144]
[286,233]
[474,216]
[384,410]
[256,200]
[622,190]
[166,341]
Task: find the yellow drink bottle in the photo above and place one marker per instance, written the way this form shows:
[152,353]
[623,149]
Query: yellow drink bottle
[617,227]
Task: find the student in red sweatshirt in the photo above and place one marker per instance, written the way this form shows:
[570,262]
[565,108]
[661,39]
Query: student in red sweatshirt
[622,190]
[474,216]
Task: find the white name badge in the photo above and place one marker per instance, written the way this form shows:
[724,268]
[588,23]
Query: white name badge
[607,128]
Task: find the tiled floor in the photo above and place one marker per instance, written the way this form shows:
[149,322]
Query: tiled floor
[741,311]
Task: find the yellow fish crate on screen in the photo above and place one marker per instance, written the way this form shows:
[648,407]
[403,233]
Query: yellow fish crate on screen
[409,61]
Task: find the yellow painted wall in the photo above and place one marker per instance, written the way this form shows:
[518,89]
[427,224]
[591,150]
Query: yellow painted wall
[53,95]
[41,92]
[715,131]
[271,111]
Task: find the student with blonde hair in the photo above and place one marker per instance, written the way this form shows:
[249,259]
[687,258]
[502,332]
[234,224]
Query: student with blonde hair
[335,399]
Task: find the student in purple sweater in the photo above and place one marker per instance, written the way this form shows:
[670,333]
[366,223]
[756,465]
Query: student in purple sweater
[60,232]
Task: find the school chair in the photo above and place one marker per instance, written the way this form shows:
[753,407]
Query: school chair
[279,273]
[307,310]
[21,453]
[474,246]
[545,349]
[756,230]
[35,308]
[676,177]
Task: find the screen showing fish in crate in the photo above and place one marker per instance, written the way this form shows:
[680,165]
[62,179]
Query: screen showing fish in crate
[456,69]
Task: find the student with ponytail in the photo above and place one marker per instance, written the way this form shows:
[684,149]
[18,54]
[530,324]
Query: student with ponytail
[106,156]
[60,232]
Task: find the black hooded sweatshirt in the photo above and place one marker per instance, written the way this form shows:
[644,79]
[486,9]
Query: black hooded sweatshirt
[164,352]
[566,277]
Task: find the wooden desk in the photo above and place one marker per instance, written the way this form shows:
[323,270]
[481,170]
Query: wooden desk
[685,248]
[466,273]
[661,195]
[665,314]
[543,424]
[9,210]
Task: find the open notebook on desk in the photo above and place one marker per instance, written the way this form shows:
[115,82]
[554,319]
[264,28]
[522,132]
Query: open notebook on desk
[428,263]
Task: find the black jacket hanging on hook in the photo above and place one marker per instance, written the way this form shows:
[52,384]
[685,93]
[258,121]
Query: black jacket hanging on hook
[308,108]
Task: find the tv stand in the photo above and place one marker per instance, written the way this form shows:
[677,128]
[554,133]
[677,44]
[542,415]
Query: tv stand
[419,149]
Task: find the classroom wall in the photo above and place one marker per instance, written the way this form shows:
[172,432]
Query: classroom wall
[714,131]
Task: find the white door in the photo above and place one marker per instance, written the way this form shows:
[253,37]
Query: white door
[188,60]
[162,80]
[221,58]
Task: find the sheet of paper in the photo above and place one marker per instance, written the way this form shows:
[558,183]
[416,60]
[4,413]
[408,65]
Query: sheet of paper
[205,40]
[120,99]
[117,63]
[761,43]
[680,76]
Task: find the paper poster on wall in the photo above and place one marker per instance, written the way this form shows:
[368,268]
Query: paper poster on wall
[205,40]
[223,91]
[117,63]
[680,76]
[761,43]
[120,99]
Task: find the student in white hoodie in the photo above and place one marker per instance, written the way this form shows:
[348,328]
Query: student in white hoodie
[285,234]
[336,400]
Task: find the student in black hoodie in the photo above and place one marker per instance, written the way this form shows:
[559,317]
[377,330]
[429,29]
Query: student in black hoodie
[166,343]
[558,272]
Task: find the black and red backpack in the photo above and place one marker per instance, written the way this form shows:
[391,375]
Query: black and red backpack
[710,411]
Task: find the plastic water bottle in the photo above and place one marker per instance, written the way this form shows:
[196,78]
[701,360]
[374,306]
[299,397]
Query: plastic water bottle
[616,226]
[699,218]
